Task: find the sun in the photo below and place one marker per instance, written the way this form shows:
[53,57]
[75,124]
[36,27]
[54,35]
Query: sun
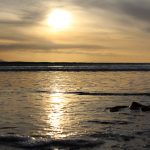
[59,19]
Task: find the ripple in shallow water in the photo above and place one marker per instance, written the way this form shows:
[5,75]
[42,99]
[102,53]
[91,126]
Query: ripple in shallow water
[40,142]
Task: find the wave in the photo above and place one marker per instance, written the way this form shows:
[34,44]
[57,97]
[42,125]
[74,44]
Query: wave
[26,142]
[77,93]
[113,122]
[92,140]
[113,136]
[108,94]
[74,67]
[94,93]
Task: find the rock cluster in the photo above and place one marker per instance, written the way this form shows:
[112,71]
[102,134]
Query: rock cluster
[133,106]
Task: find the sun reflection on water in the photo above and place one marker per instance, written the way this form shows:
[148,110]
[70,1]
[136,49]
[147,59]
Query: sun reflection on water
[55,116]
[56,98]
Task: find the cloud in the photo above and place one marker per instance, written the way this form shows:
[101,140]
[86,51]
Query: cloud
[33,11]
[27,12]
[120,13]
[102,22]
[135,8]
[47,47]
[1,60]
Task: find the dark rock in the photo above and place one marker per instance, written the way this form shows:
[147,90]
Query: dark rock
[116,108]
[135,106]
[145,108]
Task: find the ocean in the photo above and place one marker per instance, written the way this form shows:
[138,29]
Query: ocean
[67,109]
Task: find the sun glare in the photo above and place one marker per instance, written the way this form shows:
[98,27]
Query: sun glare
[59,19]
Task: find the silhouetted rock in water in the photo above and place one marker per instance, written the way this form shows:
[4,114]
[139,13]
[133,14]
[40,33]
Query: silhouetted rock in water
[137,106]
[133,106]
[116,108]
[145,108]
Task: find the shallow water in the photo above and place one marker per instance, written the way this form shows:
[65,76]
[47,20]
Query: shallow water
[66,110]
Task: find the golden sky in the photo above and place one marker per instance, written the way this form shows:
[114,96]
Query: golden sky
[75,30]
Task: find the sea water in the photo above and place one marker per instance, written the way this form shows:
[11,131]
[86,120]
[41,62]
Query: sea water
[67,110]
